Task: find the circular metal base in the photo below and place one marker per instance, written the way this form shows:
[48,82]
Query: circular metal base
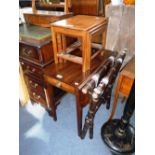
[118,143]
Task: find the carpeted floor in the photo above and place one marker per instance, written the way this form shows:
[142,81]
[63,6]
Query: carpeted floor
[40,135]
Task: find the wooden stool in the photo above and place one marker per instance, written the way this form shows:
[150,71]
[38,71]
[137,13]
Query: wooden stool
[83,28]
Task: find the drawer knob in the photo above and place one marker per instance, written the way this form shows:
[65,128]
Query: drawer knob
[36,96]
[22,63]
[33,70]
[28,67]
[33,85]
[58,84]
[59,76]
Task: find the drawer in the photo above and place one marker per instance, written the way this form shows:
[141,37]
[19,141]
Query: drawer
[30,69]
[36,91]
[29,52]
[126,85]
[36,87]
[38,98]
[60,84]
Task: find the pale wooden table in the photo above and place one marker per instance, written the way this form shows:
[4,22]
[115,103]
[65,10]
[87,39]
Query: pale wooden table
[125,81]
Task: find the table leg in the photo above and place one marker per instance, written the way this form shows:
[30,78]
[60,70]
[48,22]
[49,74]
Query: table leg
[79,112]
[116,98]
[50,101]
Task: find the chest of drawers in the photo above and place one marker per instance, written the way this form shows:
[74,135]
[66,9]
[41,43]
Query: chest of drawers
[34,55]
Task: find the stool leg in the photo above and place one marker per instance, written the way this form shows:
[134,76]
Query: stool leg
[59,45]
[104,34]
[54,44]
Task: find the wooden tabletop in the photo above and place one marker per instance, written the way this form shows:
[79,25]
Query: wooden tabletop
[72,72]
[47,13]
[80,22]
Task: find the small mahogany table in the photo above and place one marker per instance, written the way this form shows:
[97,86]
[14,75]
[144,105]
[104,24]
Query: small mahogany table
[69,77]
[125,81]
[84,28]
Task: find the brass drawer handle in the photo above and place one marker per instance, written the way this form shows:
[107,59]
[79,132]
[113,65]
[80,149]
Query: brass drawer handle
[36,96]
[33,70]
[58,84]
[33,85]
[27,52]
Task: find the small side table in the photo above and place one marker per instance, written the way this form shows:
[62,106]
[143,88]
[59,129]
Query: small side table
[70,78]
[83,28]
[125,81]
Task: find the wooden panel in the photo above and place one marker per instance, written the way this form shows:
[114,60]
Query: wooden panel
[85,7]
[47,53]
[126,85]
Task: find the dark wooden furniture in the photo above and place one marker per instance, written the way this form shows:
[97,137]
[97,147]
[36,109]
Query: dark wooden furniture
[88,7]
[84,28]
[70,78]
[35,53]
[63,5]
[125,82]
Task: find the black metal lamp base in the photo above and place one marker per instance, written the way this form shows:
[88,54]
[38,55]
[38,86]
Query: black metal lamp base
[119,142]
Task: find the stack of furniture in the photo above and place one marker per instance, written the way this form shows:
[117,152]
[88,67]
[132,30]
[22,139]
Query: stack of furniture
[75,64]
[61,64]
